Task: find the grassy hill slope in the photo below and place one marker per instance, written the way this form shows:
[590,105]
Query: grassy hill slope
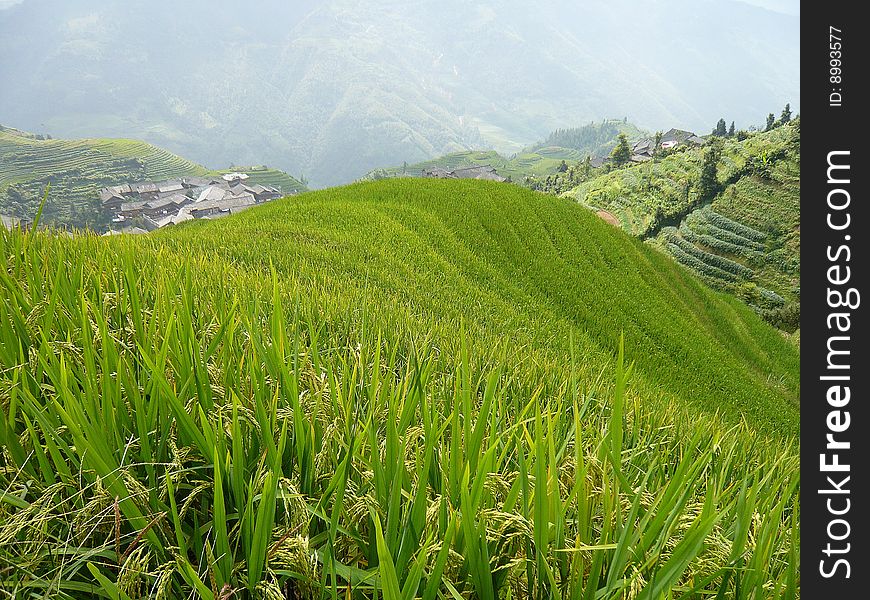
[78,169]
[745,240]
[399,384]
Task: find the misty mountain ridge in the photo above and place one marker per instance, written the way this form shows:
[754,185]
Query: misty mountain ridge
[333,89]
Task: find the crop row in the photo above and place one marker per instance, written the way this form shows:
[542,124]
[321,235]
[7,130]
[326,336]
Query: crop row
[698,265]
[43,158]
[699,222]
[714,260]
[739,229]
[720,245]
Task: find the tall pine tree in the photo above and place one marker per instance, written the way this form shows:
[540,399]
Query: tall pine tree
[708,185]
[622,152]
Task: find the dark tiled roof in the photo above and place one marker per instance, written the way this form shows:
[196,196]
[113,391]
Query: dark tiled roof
[131,206]
[108,194]
[678,135]
[170,187]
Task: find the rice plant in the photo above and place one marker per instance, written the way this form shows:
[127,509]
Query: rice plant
[388,390]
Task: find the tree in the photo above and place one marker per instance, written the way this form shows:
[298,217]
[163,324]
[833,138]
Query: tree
[622,152]
[708,184]
[563,167]
[657,143]
[720,130]
[731,130]
[771,121]
[587,166]
[786,114]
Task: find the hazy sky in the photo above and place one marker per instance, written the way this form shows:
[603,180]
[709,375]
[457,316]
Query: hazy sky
[789,7]
[334,88]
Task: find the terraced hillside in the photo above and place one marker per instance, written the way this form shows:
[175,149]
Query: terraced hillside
[744,239]
[537,161]
[267,176]
[540,163]
[407,389]
[78,169]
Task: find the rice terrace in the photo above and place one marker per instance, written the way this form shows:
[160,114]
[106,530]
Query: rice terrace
[394,392]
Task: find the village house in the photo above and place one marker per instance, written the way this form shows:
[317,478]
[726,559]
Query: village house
[198,182]
[169,187]
[260,193]
[232,178]
[222,207]
[213,192]
[152,205]
[437,172]
[145,190]
[162,206]
[111,199]
[483,172]
[132,209]
[643,150]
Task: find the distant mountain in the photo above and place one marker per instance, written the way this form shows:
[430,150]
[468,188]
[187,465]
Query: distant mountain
[335,88]
[78,169]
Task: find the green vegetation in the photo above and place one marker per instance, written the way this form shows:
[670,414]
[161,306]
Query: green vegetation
[595,139]
[264,175]
[401,389]
[536,166]
[708,182]
[78,169]
[455,160]
[736,202]
[541,163]
[621,153]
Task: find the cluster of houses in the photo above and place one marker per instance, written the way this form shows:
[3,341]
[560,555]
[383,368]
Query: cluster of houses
[643,150]
[486,172]
[145,206]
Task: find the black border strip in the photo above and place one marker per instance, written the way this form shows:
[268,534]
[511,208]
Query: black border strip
[832,132]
